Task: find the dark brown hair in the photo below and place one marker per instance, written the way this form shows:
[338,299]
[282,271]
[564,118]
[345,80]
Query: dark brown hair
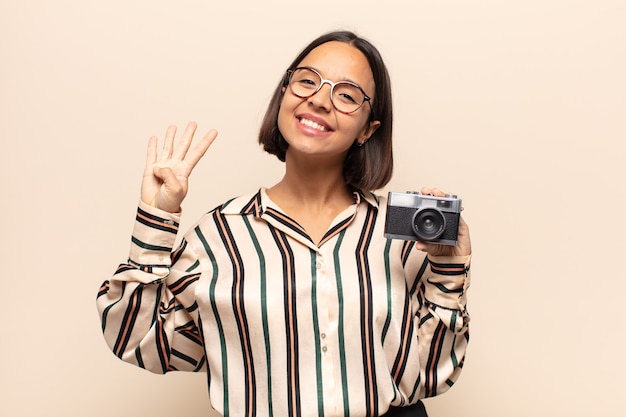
[368,167]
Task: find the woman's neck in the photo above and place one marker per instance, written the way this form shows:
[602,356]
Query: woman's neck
[313,182]
[313,194]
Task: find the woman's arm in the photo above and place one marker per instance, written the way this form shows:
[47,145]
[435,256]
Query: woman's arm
[147,308]
[443,326]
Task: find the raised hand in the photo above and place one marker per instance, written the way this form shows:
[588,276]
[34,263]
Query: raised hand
[166,178]
[463,246]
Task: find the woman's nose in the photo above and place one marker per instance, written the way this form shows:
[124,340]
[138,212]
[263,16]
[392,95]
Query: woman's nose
[322,98]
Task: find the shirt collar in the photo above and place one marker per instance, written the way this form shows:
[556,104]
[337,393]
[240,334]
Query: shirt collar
[258,202]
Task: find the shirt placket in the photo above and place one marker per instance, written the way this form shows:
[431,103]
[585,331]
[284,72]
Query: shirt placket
[327,305]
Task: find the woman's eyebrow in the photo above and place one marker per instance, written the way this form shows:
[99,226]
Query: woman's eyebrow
[342,79]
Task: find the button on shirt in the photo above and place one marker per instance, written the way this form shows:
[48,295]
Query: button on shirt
[283,325]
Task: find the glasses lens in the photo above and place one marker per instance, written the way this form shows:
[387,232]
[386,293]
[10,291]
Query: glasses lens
[304,82]
[347,97]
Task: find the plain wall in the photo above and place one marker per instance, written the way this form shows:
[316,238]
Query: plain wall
[516,106]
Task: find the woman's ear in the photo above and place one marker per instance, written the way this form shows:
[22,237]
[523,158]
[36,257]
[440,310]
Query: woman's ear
[367,132]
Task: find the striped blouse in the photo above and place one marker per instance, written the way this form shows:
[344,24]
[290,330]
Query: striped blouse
[284,326]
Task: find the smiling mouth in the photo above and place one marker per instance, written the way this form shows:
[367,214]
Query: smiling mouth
[314,125]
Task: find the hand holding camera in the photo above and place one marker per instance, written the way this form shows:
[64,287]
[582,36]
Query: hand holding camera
[430,217]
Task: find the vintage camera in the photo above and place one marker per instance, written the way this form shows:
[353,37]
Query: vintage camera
[426,218]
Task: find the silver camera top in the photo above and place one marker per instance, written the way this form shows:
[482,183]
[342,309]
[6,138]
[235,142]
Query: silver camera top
[413,199]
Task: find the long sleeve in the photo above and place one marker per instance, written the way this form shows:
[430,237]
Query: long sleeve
[443,335]
[446,290]
[147,308]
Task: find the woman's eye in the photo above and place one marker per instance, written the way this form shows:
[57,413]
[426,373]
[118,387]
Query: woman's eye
[348,97]
[306,83]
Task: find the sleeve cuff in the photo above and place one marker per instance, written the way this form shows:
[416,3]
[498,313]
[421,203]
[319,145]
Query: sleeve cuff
[154,236]
[448,282]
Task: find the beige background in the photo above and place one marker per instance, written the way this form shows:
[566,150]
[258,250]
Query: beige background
[517,106]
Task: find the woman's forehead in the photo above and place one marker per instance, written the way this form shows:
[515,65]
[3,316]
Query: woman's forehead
[340,61]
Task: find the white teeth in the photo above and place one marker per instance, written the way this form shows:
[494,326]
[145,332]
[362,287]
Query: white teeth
[312,124]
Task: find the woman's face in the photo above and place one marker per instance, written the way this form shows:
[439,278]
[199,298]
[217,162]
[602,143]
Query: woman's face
[312,126]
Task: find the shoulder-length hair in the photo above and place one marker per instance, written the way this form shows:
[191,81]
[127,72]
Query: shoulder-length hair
[367,167]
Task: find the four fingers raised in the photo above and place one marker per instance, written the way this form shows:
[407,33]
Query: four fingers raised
[165,179]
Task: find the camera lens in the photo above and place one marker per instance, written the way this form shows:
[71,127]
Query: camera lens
[428,224]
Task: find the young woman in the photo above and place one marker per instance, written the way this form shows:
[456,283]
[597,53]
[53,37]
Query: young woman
[290,298]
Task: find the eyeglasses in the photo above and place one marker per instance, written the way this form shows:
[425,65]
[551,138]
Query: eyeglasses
[346,96]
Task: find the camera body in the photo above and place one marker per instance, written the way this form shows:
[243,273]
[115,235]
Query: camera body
[426,218]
